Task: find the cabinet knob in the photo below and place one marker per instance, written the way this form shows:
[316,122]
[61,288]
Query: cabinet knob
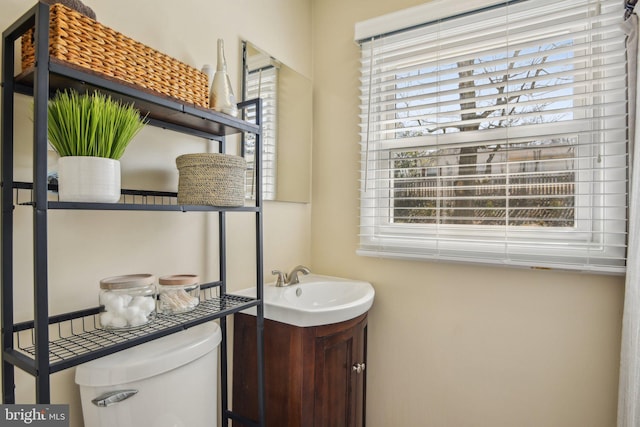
[358,368]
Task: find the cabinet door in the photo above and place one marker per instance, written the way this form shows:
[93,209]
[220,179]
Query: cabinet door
[361,377]
[339,384]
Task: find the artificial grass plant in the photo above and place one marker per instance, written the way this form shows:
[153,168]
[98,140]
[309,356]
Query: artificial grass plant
[91,125]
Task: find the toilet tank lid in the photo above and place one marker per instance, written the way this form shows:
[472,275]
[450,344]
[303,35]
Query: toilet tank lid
[151,358]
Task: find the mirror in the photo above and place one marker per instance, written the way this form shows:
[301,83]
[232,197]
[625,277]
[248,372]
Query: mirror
[286,125]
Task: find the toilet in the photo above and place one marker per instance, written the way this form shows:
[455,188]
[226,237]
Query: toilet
[168,382]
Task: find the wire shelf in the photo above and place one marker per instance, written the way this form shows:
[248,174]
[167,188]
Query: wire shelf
[79,340]
[130,200]
[24,195]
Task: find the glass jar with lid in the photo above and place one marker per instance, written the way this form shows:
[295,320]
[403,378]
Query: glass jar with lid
[127,301]
[178,293]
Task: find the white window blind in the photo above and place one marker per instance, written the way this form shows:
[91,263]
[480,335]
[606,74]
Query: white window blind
[262,83]
[498,136]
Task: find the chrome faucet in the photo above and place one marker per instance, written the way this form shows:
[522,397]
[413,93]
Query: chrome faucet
[285,279]
[293,276]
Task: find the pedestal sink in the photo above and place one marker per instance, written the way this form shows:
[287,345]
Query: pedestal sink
[316,300]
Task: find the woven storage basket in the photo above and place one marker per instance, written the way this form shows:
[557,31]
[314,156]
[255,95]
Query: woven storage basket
[79,40]
[211,179]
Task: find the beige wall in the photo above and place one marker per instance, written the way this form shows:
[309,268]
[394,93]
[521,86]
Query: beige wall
[87,246]
[449,345]
[453,345]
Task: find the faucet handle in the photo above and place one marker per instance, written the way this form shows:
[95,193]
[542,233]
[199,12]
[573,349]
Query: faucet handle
[282,277]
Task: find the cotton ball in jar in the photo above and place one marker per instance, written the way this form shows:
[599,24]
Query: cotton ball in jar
[127,301]
[131,313]
[138,320]
[113,303]
[146,304]
[118,322]
[106,317]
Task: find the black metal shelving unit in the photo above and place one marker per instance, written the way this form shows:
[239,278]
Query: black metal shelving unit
[49,344]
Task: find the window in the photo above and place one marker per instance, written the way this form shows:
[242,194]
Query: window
[497,136]
[261,81]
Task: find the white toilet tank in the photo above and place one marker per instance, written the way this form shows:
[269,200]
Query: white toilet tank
[169,382]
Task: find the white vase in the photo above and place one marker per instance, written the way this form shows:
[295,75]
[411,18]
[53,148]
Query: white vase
[88,179]
[221,97]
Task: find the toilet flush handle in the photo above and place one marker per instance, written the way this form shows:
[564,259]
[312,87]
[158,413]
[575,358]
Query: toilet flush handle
[113,397]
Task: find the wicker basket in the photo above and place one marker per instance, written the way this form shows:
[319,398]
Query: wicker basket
[211,179]
[79,40]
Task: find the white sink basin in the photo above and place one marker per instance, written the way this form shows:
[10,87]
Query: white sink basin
[316,300]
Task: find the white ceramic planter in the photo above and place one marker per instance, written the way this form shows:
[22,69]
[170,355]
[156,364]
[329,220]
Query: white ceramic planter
[88,179]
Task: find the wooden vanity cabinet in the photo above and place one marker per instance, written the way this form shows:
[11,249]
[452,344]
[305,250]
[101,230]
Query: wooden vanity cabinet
[314,376]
